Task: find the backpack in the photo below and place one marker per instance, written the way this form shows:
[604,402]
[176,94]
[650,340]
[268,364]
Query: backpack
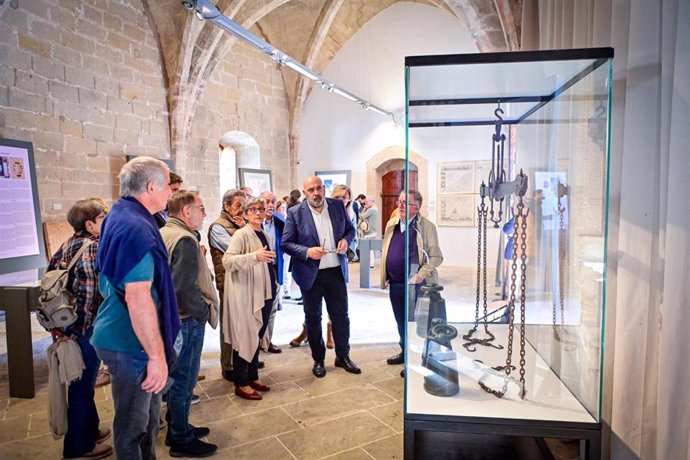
[56,304]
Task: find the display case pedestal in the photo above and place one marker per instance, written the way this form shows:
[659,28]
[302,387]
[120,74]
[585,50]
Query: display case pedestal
[589,434]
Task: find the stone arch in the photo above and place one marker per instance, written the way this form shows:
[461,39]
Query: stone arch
[391,157]
[247,149]
[237,149]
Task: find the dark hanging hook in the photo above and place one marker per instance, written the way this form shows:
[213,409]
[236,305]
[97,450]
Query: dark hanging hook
[499,121]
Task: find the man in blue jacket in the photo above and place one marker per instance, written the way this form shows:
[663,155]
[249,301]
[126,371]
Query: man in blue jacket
[317,234]
[273,225]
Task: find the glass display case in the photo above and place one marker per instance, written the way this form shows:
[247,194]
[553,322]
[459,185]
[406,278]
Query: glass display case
[507,339]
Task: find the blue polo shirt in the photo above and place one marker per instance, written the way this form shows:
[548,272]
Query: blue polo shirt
[113,330]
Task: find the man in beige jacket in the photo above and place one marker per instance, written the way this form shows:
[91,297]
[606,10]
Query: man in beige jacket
[197,303]
[425,257]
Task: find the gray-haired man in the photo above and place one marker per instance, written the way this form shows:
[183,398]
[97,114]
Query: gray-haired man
[136,331]
[219,234]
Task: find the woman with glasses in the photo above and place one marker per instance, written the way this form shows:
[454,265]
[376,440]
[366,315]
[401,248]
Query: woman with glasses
[250,281]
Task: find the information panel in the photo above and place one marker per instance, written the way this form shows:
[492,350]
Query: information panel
[21,239]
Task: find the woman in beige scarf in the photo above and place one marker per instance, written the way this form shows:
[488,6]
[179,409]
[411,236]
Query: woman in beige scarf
[250,286]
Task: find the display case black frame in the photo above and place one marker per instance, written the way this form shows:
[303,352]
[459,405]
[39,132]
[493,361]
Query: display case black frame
[589,434]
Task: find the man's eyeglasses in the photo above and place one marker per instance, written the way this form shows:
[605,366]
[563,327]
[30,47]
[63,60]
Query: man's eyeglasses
[201,207]
[255,210]
[402,202]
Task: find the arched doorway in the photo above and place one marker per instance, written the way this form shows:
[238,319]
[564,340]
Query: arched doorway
[393,159]
[392,182]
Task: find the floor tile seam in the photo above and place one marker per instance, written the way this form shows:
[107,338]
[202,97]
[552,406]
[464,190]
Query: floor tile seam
[387,369]
[286,447]
[334,392]
[235,446]
[363,446]
[377,418]
[343,451]
[381,405]
[6,409]
[341,416]
[233,405]
[16,416]
[384,393]
[301,425]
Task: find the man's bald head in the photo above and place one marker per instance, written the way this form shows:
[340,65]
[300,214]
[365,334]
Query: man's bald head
[314,191]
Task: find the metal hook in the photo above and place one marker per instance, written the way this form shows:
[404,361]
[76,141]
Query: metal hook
[497,111]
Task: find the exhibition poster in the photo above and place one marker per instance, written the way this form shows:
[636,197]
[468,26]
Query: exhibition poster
[18,232]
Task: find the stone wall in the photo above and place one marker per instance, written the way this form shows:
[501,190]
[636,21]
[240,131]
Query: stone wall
[82,81]
[246,93]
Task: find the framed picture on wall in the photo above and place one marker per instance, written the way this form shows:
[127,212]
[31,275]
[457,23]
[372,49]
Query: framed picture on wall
[332,178]
[455,210]
[259,180]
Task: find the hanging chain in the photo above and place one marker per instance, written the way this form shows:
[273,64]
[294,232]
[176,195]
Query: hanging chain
[562,241]
[470,341]
[520,223]
[561,269]
[522,211]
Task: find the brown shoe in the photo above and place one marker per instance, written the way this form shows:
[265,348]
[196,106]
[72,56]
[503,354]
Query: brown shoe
[103,377]
[302,337]
[258,386]
[200,377]
[330,344]
[273,349]
[100,451]
[103,435]
[254,396]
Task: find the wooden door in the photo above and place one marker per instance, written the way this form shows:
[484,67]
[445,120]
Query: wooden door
[391,185]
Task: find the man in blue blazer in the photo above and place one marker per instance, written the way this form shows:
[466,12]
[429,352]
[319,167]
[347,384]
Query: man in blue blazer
[317,234]
[273,225]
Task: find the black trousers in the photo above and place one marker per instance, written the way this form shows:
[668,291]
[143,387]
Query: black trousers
[243,371]
[329,285]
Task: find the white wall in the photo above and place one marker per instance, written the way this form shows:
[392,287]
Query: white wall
[337,134]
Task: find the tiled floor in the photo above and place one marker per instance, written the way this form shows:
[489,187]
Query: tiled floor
[341,416]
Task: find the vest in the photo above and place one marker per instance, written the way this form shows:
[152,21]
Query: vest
[172,233]
[216,254]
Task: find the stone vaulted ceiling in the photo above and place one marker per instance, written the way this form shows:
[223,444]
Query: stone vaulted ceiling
[311,31]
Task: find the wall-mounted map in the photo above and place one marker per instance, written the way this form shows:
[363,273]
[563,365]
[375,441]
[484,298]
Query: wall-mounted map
[458,191]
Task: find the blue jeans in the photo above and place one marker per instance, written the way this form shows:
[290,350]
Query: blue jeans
[82,417]
[184,375]
[135,426]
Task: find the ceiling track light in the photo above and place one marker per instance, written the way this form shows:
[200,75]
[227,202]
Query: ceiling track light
[205,10]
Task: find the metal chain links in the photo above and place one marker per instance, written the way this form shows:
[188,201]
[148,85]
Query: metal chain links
[561,269]
[470,341]
[521,223]
[522,211]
